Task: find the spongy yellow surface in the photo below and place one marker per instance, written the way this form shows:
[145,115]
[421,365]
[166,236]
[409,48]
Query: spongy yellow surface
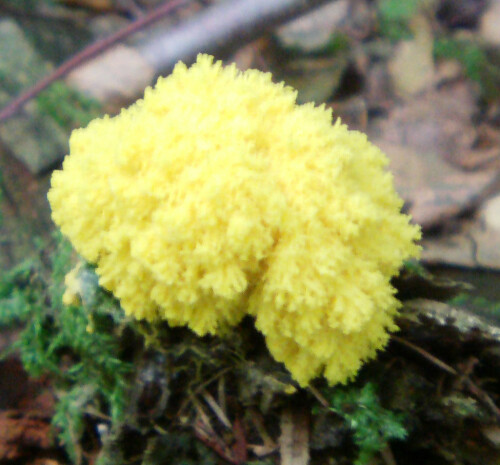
[216,196]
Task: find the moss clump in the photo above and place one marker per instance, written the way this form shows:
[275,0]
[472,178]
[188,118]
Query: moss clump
[88,367]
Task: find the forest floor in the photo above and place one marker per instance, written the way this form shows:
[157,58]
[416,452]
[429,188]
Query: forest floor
[422,79]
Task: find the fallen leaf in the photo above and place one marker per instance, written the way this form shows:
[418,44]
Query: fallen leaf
[440,121]
[485,154]
[45,461]
[424,138]
[21,433]
[433,189]
[20,392]
[475,244]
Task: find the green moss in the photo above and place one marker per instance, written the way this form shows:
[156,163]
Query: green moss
[87,367]
[68,107]
[372,425]
[103,372]
[475,61]
[394,17]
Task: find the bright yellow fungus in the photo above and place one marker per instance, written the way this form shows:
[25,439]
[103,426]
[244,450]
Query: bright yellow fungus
[217,196]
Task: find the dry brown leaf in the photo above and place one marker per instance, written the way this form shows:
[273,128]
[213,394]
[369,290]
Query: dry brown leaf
[20,432]
[476,244]
[45,461]
[433,189]
[423,139]
[439,121]
[486,151]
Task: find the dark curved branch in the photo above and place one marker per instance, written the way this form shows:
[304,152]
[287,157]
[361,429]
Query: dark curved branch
[218,29]
[86,54]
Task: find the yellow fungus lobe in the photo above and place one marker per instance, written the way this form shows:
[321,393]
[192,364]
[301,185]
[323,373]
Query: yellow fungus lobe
[217,196]
[73,288]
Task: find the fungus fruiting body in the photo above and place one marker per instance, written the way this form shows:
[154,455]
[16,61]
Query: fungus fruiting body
[217,196]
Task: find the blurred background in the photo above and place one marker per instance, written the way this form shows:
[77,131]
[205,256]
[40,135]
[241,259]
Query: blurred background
[420,77]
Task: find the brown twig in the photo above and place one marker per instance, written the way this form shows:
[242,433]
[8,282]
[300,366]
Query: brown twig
[219,413]
[212,441]
[473,388]
[426,355]
[319,396]
[388,456]
[86,54]
[240,447]
[199,389]
[218,29]
[482,396]
[258,422]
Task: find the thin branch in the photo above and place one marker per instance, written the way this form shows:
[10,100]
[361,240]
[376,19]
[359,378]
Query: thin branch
[388,456]
[88,53]
[218,29]
[426,355]
[319,396]
[473,388]
[200,389]
[215,445]
[240,446]
[258,422]
[216,409]
[483,396]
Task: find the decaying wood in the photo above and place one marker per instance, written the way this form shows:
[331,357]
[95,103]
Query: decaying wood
[294,439]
